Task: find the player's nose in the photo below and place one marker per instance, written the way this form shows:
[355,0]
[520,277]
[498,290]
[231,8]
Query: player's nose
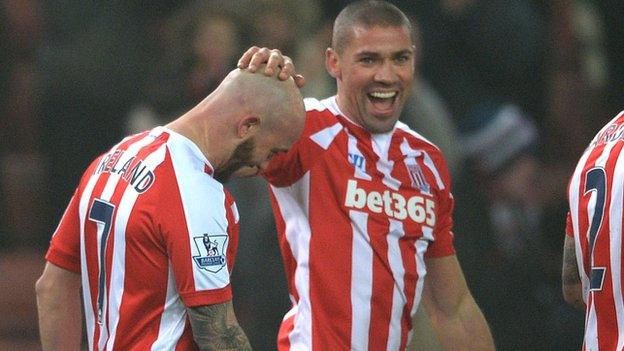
[385,73]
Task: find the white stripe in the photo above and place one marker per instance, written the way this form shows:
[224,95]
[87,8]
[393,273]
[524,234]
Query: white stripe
[326,136]
[118,265]
[361,280]
[173,318]
[429,163]
[297,232]
[615,245]
[331,104]
[404,127]
[421,271]
[591,332]
[381,146]
[359,173]
[84,273]
[421,268]
[399,300]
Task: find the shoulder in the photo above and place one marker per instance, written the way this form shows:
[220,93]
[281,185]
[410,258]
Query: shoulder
[415,140]
[187,169]
[322,124]
[321,113]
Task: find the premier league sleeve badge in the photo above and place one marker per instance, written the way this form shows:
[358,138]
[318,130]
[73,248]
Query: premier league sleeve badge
[211,249]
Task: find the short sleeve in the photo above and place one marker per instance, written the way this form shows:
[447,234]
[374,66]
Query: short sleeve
[64,248]
[287,168]
[196,233]
[443,231]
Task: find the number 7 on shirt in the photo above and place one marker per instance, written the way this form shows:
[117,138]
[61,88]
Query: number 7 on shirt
[102,213]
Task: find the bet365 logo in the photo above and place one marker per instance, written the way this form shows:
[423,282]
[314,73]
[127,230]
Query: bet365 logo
[419,209]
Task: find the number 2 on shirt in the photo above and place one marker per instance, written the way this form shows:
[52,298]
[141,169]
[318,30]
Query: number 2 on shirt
[102,212]
[596,181]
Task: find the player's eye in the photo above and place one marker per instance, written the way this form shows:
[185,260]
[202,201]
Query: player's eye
[402,59]
[367,60]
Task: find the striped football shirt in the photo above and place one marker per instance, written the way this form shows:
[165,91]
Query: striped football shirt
[357,215]
[150,232]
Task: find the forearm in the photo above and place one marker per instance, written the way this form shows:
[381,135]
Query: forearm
[570,279]
[423,337]
[215,328]
[465,330]
[60,316]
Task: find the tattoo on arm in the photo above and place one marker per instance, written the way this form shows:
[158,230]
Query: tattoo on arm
[570,273]
[570,277]
[215,328]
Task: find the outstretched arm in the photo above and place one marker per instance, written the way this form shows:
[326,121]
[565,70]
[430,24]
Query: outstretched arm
[571,281]
[453,313]
[58,304]
[215,328]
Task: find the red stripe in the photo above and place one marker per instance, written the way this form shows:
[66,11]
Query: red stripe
[290,264]
[233,229]
[331,253]
[383,285]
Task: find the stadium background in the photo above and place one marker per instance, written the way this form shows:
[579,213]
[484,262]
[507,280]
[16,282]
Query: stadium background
[511,90]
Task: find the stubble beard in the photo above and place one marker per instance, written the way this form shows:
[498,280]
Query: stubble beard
[241,157]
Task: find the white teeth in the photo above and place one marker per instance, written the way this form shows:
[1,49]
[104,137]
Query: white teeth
[383,95]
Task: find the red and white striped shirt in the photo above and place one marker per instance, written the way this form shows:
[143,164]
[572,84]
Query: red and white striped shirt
[596,193]
[357,214]
[150,231]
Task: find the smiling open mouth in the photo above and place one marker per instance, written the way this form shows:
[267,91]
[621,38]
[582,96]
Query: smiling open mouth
[382,101]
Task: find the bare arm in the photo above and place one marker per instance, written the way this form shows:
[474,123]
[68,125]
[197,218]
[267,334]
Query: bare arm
[453,313]
[215,328]
[58,304]
[424,337]
[571,281]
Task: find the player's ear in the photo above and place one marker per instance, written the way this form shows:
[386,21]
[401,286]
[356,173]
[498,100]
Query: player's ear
[247,126]
[332,64]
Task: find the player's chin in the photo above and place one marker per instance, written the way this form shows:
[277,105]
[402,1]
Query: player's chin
[381,124]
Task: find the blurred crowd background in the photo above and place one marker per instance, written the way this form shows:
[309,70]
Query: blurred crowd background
[511,90]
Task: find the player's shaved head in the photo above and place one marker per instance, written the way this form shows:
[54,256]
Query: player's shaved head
[367,14]
[278,104]
[246,120]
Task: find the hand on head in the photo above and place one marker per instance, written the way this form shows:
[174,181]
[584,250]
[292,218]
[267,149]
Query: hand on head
[274,59]
[267,115]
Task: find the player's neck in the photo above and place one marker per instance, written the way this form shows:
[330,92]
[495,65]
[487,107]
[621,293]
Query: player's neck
[197,127]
